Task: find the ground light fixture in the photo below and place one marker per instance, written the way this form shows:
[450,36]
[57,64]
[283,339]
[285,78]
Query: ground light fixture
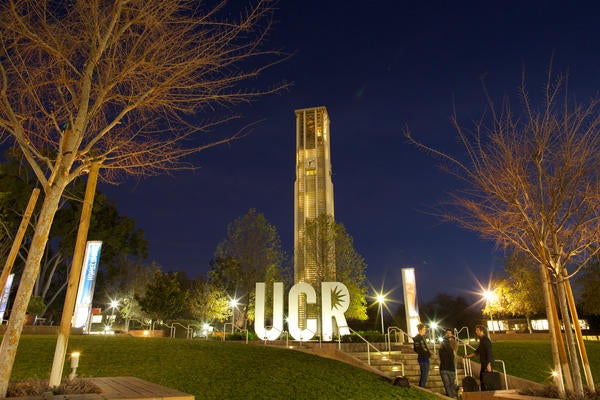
[74,364]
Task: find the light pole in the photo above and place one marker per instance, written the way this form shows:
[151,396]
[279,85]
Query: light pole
[433,330]
[113,304]
[381,300]
[490,298]
[234,304]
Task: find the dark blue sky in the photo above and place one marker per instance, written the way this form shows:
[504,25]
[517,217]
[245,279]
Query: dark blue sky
[378,67]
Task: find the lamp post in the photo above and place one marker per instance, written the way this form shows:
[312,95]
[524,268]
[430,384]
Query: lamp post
[381,300]
[490,298]
[113,304]
[433,326]
[234,304]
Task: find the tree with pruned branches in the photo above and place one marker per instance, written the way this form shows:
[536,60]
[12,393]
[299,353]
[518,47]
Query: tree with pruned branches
[129,86]
[532,183]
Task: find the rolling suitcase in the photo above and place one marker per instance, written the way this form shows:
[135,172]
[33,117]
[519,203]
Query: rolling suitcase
[469,384]
[491,381]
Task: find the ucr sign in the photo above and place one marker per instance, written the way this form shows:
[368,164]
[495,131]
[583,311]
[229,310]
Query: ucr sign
[335,300]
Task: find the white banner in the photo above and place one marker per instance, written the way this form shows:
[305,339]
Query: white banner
[409,284]
[5,295]
[87,281]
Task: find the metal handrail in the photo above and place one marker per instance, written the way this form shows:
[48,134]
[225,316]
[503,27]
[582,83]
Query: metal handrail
[465,344]
[154,322]
[191,329]
[458,331]
[504,372]
[313,334]
[397,331]
[173,329]
[369,345]
[468,371]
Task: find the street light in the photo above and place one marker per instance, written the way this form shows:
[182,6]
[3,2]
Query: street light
[490,298]
[234,304]
[113,304]
[433,326]
[381,300]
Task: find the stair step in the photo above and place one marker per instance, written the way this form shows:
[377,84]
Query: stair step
[390,363]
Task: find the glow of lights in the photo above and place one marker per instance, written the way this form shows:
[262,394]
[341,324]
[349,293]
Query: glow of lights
[146,333]
[490,296]
[74,364]
[381,300]
[114,304]
[433,325]
[75,359]
[233,302]
[554,374]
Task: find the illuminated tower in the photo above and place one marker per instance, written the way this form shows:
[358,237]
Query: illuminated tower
[313,193]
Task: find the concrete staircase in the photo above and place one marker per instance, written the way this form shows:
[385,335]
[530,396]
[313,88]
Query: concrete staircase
[390,362]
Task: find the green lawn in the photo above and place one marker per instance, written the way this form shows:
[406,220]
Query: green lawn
[533,359]
[211,370]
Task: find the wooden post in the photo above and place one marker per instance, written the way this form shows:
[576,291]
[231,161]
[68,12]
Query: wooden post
[14,250]
[584,359]
[568,377]
[76,266]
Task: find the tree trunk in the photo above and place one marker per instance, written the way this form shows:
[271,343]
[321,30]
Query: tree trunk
[558,379]
[573,357]
[10,341]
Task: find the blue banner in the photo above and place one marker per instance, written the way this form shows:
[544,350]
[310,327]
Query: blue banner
[5,295]
[85,292]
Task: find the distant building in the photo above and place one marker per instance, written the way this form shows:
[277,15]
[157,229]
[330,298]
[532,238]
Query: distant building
[313,191]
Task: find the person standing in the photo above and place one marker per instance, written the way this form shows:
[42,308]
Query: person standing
[447,364]
[484,351]
[420,347]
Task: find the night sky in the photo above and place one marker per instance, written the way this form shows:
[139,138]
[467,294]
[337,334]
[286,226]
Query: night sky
[378,67]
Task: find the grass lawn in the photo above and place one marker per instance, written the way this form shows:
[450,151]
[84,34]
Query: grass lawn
[533,359]
[211,370]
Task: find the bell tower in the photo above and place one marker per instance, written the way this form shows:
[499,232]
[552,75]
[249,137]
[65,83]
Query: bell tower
[313,194]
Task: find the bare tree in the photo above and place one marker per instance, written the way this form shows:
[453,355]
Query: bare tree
[118,83]
[532,183]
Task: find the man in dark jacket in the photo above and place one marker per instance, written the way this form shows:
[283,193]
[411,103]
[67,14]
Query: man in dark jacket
[484,351]
[447,365]
[420,347]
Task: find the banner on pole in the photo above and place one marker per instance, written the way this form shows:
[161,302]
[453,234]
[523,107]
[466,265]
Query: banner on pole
[409,284]
[5,295]
[87,281]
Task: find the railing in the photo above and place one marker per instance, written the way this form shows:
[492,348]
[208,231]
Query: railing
[465,344]
[155,322]
[467,365]
[458,331]
[202,328]
[369,346]
[397,333]
[287,336]
[504,372]
[312,335]
[173,329]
